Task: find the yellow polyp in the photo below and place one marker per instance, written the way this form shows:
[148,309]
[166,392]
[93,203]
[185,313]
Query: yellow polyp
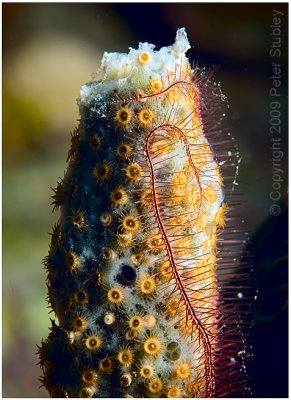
[146,285]
[170,73]
[144,57]
[125,357]
[93,342]
[210,241]
[201,221]
[109,318]
[124,239]
[131,334]
[173,94]
[196,388]
[155,243]
[89,376]
[146,197]
[129,223]
[123,151]
[202,156]
[95,142]
[123,116]
[174,391]
[102,172]
[165,270]
[75,136]
[152,346]
[133,171]
[106,365]
[71,336]
[81,297]
[174,306]
[125,381]
[162,146]
[135,323]
[72,261]
[146,371]
[149,321]
[145,117]
[156,85]
[137,258]
[86,392]
[79,323]
[108,253]
[106,219]
[209,193]
[95,277]
[191,196]
[210,260]
[220,215]
[115,295]
[56,237]
[155,385]
[183,245]
[78,220]
[118,196]
[217,175]
[178,223]
[182,370]
[194,134]
[59,195]
[72,189]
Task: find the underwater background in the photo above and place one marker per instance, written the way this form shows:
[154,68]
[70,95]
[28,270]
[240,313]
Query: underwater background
[49,50]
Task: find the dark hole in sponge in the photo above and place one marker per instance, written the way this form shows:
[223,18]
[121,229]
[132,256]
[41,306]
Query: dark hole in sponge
[127,275]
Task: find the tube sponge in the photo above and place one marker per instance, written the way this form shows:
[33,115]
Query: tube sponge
[132,264]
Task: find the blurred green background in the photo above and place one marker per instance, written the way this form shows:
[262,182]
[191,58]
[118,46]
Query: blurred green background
[49,50]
